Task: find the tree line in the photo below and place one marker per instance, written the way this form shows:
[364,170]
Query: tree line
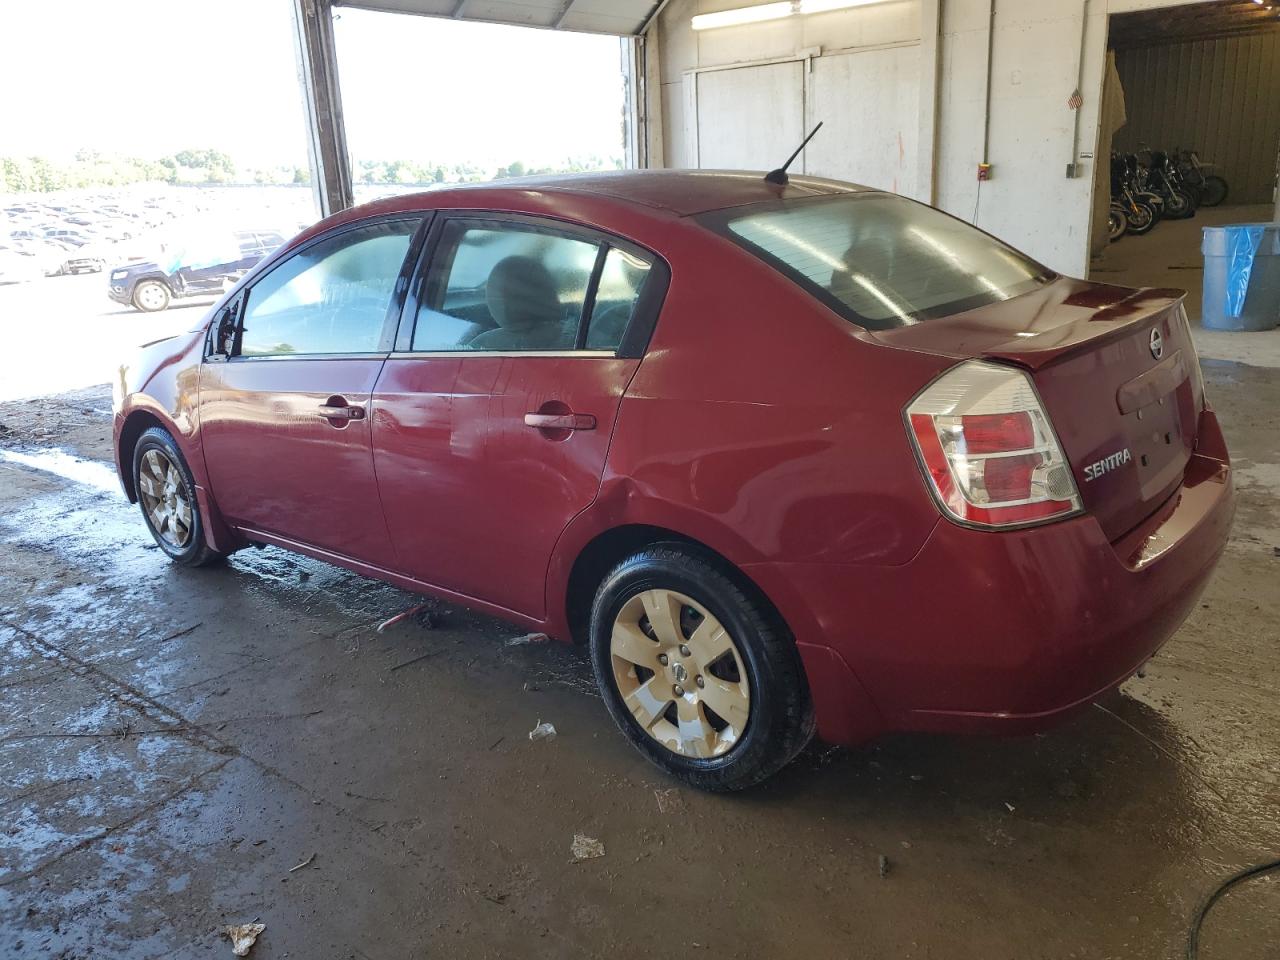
[89,168]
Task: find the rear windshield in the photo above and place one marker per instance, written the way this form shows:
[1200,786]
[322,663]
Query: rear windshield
[882,261]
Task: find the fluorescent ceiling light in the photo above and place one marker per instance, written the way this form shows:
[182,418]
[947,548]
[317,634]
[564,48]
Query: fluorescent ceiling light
[739,15]
[774,11]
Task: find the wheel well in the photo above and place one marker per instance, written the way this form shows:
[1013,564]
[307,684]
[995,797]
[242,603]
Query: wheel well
[151,278]
[138,423]
[613,546]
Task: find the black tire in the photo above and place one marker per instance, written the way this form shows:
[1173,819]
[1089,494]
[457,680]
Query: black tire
[1179,205]
[781,719]
[194,550]
[1152,200]
[151,296]
[1116,224]
[1140,218]
[1213,191]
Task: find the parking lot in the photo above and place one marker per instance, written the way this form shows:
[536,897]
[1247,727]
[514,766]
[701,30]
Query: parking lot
[83,335]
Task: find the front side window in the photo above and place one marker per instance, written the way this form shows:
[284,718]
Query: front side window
[331,298]
[882,261]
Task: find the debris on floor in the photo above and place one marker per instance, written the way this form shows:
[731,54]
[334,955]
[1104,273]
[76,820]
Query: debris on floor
[669,800]
[413,660]
[427,619]
[542,731]
[527,640]
[305,863]
[884,866]
[586,848]
[244,936]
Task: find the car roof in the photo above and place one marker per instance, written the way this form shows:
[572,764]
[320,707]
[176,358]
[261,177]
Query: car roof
[680,192]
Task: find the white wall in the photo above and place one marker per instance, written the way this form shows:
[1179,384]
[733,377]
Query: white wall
[871,127]
[1029,201]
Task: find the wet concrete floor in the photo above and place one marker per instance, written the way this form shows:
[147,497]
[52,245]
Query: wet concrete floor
[174,742]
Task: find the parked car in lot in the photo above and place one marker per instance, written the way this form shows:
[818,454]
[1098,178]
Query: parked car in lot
[197,267]
[781,455]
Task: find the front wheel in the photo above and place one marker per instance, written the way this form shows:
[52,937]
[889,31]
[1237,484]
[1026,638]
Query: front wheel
[1179,205]
[166,494]
[1139,218]
[698,672]
[1116,225]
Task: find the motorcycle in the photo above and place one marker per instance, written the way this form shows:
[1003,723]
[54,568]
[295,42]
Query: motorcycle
[1160,175]
[1210,189]
[1140,213]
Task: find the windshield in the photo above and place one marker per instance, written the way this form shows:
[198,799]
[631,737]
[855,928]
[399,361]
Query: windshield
[882,261]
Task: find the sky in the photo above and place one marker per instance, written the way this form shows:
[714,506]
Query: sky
[151,77]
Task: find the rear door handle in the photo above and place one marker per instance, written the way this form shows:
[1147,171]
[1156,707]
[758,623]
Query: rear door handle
[560,421]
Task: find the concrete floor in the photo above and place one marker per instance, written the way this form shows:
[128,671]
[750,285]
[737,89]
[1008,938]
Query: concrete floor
[1169,256]
[173,742]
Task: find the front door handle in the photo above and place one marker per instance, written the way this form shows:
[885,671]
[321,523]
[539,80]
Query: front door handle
[338,409]
[560,421]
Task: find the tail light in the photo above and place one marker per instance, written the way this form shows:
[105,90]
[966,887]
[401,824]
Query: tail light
[988,450]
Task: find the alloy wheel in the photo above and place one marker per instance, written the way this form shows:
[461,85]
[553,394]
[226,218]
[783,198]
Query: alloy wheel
[680,674]
[165,498]
[151,296]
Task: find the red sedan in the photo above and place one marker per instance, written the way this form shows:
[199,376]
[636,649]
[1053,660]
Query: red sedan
[784,456]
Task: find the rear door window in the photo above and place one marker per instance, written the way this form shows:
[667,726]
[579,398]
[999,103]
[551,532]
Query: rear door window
[882,261]
[516,286]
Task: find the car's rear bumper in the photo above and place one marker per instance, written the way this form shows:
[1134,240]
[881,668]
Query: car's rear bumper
[1004,631]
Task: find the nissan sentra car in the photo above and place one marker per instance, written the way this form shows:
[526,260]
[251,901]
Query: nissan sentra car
[785,456]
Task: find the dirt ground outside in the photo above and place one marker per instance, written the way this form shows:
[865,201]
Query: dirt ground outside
[185,749]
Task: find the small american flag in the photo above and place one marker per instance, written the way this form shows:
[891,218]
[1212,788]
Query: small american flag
[1075,101]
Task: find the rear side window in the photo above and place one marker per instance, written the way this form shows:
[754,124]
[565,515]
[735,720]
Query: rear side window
[332,297]
[622,277]
[510,286]
[882,261]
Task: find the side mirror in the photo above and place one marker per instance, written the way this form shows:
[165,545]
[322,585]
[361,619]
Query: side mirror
[225,333]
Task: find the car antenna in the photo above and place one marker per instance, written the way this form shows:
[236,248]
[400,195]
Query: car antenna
[779,176]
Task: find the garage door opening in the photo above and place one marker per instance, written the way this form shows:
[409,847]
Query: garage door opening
[1191,119]
[433,102]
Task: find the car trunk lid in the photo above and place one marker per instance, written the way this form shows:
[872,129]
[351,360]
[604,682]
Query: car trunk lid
[1118,375]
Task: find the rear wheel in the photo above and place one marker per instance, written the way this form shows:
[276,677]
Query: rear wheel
[151,296]
[700,675]
[166,494]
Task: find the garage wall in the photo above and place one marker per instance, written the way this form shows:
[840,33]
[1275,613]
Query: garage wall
[1030,201]
[744,97]
[1221,97]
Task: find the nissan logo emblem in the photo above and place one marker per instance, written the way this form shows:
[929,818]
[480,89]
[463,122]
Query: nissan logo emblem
[1157,343]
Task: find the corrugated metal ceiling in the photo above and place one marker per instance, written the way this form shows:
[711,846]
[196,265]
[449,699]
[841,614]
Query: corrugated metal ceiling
[616,17]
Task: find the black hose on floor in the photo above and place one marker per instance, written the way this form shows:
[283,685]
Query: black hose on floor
[1257,870]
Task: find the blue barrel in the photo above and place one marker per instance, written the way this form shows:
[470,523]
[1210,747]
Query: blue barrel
[1241,277]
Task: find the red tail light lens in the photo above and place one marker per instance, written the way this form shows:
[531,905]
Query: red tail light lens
[988,450]
[994,432]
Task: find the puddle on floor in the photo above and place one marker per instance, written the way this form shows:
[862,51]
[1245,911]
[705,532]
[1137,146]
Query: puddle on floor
[91,473]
